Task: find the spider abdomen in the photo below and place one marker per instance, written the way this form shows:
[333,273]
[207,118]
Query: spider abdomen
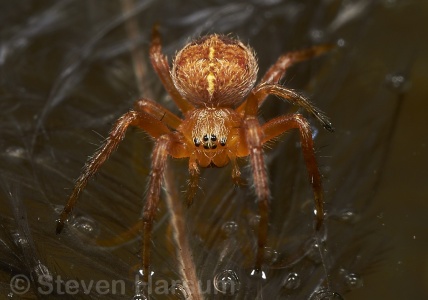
[214,71]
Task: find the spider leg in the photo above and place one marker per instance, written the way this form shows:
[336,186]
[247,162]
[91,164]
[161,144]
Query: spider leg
[277,71]
[254,140]
[295,98]
[161,66]
[256,136]
[159,159]
[158,111]
[168,144]
[281,124]
[141,119]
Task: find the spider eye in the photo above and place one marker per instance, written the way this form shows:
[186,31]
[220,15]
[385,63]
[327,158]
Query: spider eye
[213,137]
[197,142]
[223,141]
[205,138]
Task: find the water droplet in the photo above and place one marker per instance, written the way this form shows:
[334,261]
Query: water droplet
[258,274]
[16,152]
[255,221]
[270,256]
[397,82]
[313,252]
[86,226]
[179,291]
[353,281]
[140,272]
[292,281]
[348,216]
[326,295]
[227,282]
[58,209]
[316,35]
[341,43]
[10,295]
[19,239]
[230,228]
[139,297]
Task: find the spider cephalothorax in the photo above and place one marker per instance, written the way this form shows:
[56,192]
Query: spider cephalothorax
[212,81]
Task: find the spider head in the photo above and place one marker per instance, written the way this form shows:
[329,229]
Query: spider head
[211,127]
[214,71]
[210,133]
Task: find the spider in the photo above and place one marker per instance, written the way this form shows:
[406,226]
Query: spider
[212,81]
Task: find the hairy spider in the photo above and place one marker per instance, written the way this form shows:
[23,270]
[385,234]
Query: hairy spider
[212,81]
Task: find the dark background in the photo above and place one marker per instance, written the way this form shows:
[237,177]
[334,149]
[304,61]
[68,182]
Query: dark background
[70,68]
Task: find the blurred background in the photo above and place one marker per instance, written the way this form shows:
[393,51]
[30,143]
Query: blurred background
[70,68]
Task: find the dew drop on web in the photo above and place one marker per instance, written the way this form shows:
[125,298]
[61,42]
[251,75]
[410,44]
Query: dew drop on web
[292,281]
[179,291]
[86,226]
[326,294]
[229,228]
[227,282]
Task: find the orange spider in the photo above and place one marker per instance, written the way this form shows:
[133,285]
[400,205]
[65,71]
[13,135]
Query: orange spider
[212,82]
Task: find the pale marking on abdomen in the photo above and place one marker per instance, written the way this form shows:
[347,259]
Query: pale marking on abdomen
[211,77]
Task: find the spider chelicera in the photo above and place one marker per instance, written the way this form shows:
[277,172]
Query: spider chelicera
[212,81]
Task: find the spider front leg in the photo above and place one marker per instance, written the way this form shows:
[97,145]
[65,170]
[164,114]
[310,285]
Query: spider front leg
[254,141]
[281,124]
[159,159]
[158,111]
[115,137]
[277,71]
[141,119]
[161,66]
[261,91]
[256,136]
